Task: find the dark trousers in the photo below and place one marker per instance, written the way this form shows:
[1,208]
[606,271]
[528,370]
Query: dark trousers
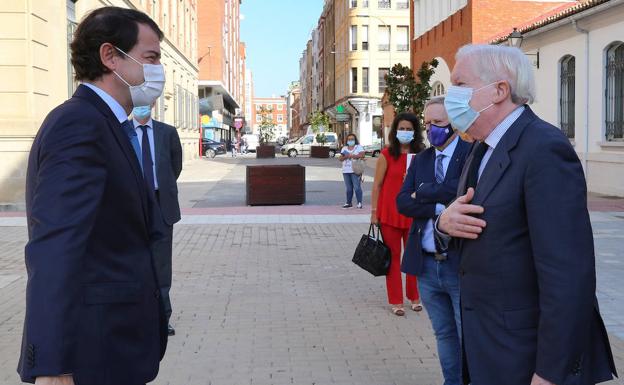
[162,250]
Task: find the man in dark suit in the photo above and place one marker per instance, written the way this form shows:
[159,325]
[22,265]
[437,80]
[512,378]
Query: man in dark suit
[163,148]
[93,309]
[521,224]
[431,184]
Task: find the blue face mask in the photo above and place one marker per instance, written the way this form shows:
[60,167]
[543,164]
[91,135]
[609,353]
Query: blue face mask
[405,137]
[351,143]
[142,112]
[457,104]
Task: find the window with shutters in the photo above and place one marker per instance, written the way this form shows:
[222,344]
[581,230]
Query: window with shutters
[566,95]
[614,92]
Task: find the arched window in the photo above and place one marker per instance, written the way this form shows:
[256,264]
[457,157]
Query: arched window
[614,93]
[437,89]
[566,95]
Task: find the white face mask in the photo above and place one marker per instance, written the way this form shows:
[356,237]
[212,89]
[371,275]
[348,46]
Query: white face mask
[152,87]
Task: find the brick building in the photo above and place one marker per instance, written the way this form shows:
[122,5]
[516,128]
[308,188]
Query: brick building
[279,114]
[221,57]
[440,28]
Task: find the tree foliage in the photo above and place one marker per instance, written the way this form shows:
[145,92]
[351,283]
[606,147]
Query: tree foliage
[409,93]
[319,121]
[267,125]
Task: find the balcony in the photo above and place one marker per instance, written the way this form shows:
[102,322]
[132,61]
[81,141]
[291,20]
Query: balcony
[402,47]
[384,47]
[384,4]
[403,5]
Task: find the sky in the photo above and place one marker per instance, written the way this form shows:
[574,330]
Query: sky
[276,33]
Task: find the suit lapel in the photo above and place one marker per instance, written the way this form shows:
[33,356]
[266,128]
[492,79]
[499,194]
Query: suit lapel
[463,178]
[456,160]
[159,144]
[428,174]
[121,138]
[500,160]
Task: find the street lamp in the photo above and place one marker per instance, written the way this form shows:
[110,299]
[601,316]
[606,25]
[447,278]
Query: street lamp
[515,40]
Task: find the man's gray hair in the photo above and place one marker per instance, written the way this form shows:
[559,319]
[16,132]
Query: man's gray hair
[435,100]
[498,62]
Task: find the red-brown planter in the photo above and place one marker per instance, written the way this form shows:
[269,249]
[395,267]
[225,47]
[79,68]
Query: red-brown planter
[263,151]
[275,185]
[319,152]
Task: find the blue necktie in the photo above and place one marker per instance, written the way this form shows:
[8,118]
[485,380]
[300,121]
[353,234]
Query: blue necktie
[439,169]
[134,140]
[148,169]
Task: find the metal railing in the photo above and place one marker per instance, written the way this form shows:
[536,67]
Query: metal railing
[384,4]
[384,47]
[403,5]
[402,47]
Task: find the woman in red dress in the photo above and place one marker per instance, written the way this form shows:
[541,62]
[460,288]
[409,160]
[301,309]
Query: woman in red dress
[404,138]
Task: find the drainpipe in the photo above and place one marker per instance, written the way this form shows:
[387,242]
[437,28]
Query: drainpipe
[586,32]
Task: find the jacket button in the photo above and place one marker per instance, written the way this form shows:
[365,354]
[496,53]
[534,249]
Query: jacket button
[156,293]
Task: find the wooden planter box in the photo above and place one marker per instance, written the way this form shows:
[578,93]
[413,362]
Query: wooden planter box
[275,185]
[263,151]
[319,152]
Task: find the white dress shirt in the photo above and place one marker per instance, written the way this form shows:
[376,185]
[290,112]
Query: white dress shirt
[150,137]
[428,242]
[113,104]
[495,136]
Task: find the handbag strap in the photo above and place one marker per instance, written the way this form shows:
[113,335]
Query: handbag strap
[371,229]
[379,235]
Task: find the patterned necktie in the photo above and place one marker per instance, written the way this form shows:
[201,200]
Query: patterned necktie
[439,169]
[128,127]
[473,171]
[148,163]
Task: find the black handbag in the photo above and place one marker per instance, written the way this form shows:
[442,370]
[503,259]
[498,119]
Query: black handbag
[371,254]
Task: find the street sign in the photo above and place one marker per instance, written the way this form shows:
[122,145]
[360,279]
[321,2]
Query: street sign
[238,123]
[340,109]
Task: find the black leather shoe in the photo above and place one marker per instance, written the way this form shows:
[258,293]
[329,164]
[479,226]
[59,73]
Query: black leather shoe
[170,330]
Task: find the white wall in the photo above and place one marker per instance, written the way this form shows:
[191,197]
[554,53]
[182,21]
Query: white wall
[605,160]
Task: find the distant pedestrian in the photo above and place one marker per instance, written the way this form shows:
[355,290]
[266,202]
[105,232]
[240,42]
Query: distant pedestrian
[405,138]
[353,182]
[233,146]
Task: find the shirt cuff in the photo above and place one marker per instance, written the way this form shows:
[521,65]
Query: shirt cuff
[442,239]
[439,208]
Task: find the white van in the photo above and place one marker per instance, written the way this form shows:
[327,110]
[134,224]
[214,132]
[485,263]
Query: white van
[302,145]
[252,140]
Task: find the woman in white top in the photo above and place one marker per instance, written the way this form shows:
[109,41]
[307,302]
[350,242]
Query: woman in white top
[351,151]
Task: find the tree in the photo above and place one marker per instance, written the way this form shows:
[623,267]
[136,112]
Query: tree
[267,126]
[423,88]
[401,88]
[409,93]
[319,121]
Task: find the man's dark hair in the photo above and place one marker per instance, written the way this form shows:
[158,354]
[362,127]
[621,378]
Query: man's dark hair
[114,25]
[416,145]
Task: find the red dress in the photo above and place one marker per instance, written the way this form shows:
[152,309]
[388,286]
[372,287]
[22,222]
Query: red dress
[386,204]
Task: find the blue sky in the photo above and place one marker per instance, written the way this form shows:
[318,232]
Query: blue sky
[276,33]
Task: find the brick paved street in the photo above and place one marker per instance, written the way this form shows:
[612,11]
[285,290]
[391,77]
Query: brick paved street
[276,300]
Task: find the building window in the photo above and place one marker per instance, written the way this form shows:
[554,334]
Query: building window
[403,38]
[615,92]
[383,72]
[72,84]
[353,3]
[384,4]
[354,38]
[365,38]
[437,89]
[280,118]
[566,96]
[365,4]
[402,4]
[384,38]
[354,80]
[365,80]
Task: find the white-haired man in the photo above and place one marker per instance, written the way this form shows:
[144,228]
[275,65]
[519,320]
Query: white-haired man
[527,271]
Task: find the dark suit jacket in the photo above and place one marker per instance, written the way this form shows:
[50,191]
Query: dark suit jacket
[92,304]
[168,169]
[421,179]
[528,282]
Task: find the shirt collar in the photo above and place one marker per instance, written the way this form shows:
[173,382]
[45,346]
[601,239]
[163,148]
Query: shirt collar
[113,104]
[449,150]
[148,123]
[500,130]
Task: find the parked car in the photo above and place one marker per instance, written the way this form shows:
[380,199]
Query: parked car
[302,145]
[373,149]
[211,148]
